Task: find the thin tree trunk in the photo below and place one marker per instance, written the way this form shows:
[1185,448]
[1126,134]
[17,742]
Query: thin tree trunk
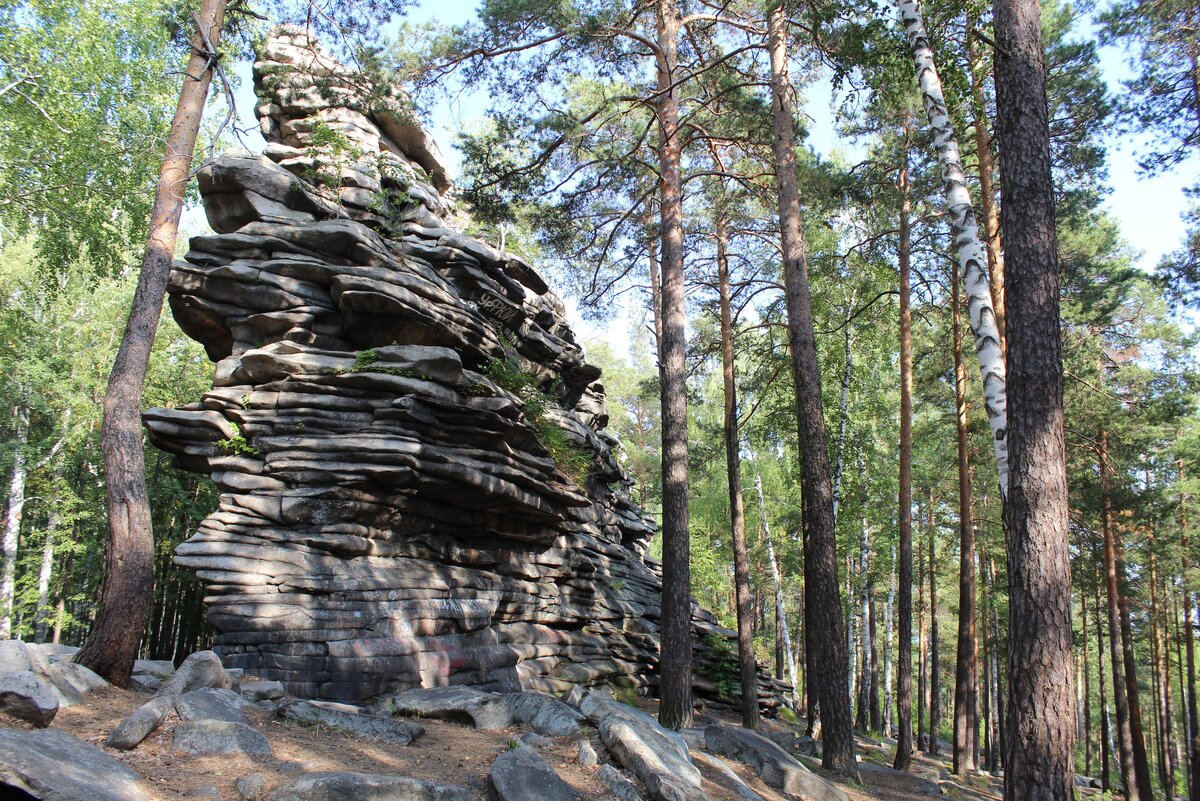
[904,744]
[971,253]
[863,716]
[843,406]
[125,596]
[1163,678]
[45,573]
[12,519]
[1040,762]
[737,512]
[1140,761]
[1189,637]
[888,709]
[923,653]
[1129,776]
[777,579]
[987,189]
[966,670]
[1105,719]
[1087,686]
[675,711]
[935,663]
[820,556]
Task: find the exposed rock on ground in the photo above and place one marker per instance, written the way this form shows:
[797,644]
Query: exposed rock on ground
[777,767]
[522,775]
[54,766]
[417,484]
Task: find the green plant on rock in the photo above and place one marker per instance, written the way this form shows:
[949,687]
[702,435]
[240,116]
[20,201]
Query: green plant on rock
[237,445]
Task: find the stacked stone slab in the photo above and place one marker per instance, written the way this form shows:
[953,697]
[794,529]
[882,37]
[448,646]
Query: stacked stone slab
[389,516]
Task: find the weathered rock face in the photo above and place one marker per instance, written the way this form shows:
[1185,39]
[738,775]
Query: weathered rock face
[391,516]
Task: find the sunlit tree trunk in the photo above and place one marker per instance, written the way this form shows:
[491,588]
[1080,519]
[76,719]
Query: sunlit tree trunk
[777,580]
[12,518]
[737,512]
[820,558]
[125,596]
[966,670]
[904,744]
[675,668]
[969,247]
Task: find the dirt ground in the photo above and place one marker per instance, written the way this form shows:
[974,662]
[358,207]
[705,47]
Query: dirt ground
[448,753]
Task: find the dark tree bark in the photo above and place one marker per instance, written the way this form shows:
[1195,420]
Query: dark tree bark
[127,592]
[904,742]
[1189,638]
[822,593]
[1041,744]
[737,512]
[1105,723]
[675,669]
[1087,686]
[966,669]
[935,658]
[1141,762]
[1115,634]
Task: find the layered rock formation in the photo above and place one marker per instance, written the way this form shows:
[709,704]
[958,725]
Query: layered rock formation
[417,487]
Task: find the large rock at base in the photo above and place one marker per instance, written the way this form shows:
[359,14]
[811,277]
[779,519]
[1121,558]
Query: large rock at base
[621,788]
[51,765]
[776,767]
[219,737]
[140,723]
[201,669]
[716,763]
[347,718]
[484,711]
[342,786]
[25,695]
[212,703]
[522,775]
[546,714]
[656,756]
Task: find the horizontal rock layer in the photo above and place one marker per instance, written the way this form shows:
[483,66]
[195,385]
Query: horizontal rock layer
[390,516]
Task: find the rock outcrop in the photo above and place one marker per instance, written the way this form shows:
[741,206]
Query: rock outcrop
[417,487]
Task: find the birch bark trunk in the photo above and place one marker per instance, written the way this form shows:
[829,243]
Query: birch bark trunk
[969,248]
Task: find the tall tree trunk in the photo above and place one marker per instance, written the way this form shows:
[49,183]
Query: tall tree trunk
[1162,674]
[1141,763]
[888,693]
[904,744]
[128,585]
[972,255]
[1189,638]
[1115,634]
[12,518]
[777,580]
[1087,686]
[866,634]
[935,660]
[922,653]
[820,557]
[843,406]
[675,711]
[1041,746]
[987,190]
[966,669]
[45,573]
[1105,720]
[737,512]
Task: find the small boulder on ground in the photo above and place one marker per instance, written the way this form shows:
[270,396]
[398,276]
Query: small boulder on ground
[343,786]
[776,767]
[138,725]
[351,719]
[201,669]
[52,765]
[220,737]
[25,695]
[522,775]
[719,765]
[211,703]
[484,711]
[548,716]
[250,787]
[261,690]
[620,786]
